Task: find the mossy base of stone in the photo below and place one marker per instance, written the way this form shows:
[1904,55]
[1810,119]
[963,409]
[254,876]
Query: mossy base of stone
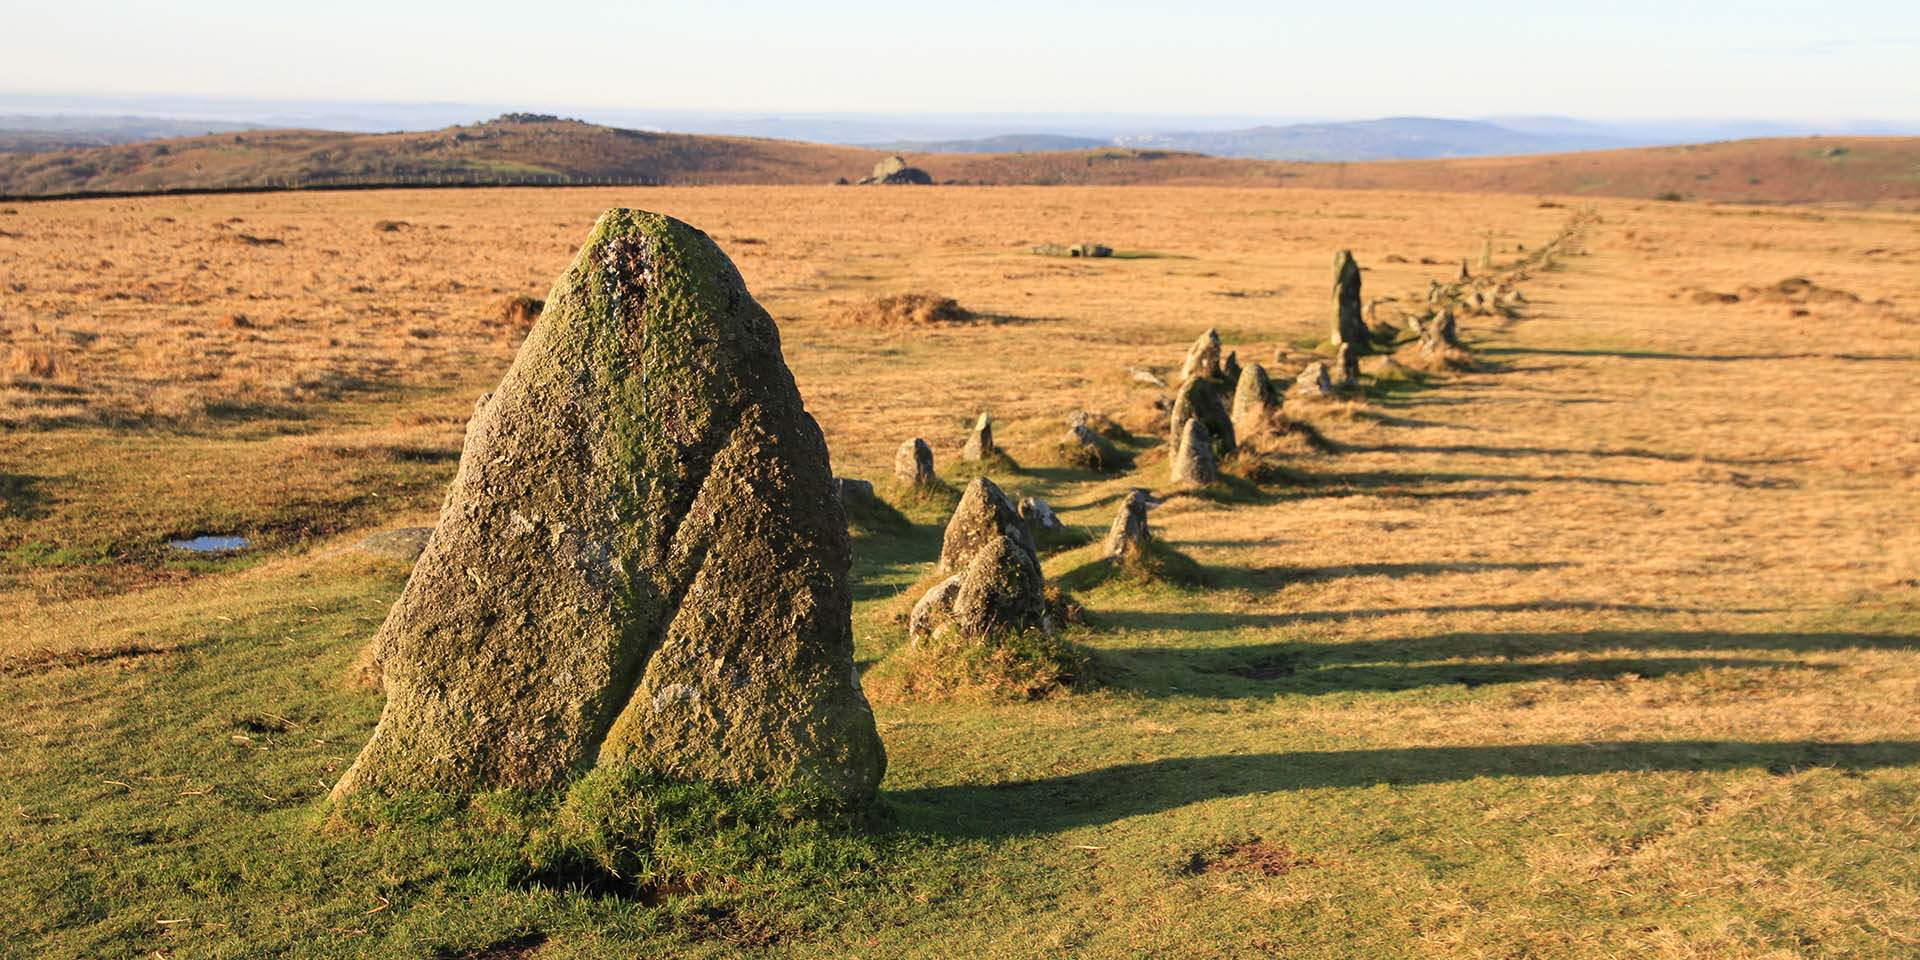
[1028,665]
[629,835]
[922,502]
[996,464]
[876,515]
[1155,563]
[1099,459]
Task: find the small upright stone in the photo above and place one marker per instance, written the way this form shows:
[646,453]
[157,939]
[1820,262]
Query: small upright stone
[1441,334]
[1349,325]
[1253,401]
[1230,368]
[980,441]
[1197,400]
[1129,535]
[1193,461]
[913,463]
[1203,358]
[1466,276]
[1312,383]
[984,513]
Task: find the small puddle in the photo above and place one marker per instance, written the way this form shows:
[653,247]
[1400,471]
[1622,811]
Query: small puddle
[210,544]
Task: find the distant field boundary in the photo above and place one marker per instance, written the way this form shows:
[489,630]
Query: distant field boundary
[423,183]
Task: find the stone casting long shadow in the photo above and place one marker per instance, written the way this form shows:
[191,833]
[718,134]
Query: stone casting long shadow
[1052,804]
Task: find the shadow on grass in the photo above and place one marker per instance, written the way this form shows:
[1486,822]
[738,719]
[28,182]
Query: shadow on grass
[1212,621]
[1703,357]
[22,496]
[1052,804]
[1480,450]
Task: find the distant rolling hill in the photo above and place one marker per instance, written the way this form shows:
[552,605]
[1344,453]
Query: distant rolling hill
[521,149]
[29,133]
[1006,143]
[1394,138]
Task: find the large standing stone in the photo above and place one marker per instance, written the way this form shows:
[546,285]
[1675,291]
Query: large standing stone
[1253,401]
[913,463]
[1129,535]
[983,514]
[1193,460]
[980,441]
[1349,323]
[1203,358]
[1198,400]
[640,561]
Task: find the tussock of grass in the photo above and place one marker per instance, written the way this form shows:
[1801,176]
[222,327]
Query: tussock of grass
[1027,665]
[1158,563]
[738,857]
[898,310]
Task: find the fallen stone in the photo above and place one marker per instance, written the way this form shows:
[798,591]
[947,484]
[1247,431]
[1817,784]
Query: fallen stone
[1143,375]
[913,464]
[640,562]
[401,543]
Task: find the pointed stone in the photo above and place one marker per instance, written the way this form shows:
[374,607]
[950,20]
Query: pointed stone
[1129,534]
[1254,401]
[1001,592]
[1230,368]
[1198,400]
[913,463]
[1349,326]
[983,514]
[1203,358]
[640,561]
[1312,383]
[1193,460]
[1466,276]
[980,441]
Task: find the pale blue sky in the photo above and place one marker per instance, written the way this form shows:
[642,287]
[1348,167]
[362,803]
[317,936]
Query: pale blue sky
[1675,58]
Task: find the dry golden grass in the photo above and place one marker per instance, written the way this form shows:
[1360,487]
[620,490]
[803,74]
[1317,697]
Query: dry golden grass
[1486,631]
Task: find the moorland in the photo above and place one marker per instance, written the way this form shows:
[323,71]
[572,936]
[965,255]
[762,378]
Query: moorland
[1602,646]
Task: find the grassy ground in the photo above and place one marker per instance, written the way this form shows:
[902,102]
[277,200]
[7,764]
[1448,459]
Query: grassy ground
[1605,649]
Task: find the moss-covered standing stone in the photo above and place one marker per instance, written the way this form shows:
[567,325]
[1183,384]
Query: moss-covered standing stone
[1197,399]
[984,513]
[640,560]
[1349,324]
